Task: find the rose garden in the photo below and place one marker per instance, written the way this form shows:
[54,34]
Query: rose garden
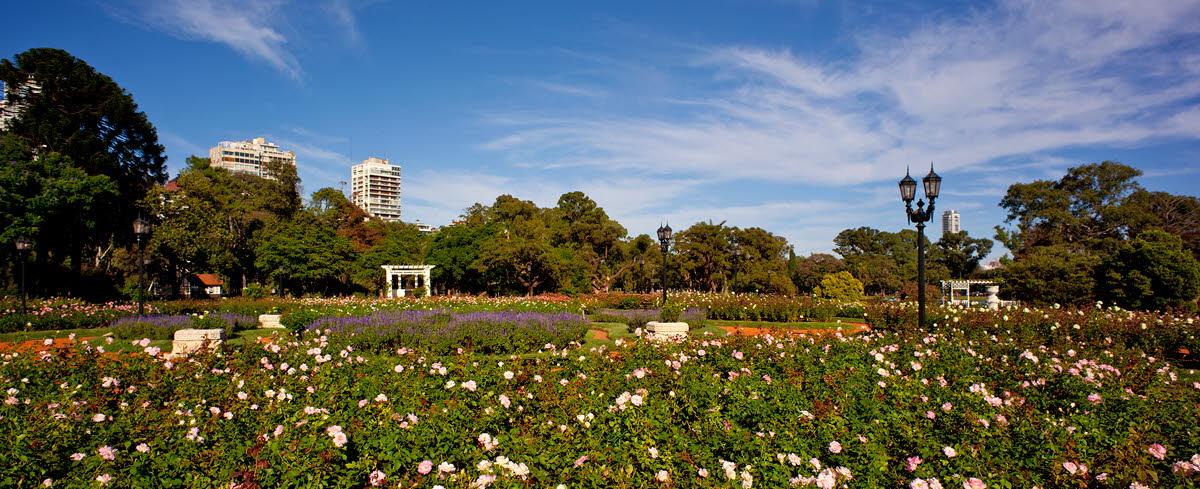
[470,392]
[242,336]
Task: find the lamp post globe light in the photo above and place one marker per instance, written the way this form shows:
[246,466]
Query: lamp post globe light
[23,247]
[664,241]
[908,190]
[141,229]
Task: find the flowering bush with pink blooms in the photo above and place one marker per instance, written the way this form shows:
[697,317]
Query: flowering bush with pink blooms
[973,406]
[1059,327]
[58,314]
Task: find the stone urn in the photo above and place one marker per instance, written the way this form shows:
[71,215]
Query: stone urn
[993,302]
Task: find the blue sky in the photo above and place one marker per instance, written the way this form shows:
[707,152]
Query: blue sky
[795,116]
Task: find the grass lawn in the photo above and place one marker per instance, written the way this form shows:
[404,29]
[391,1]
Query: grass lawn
[621,331]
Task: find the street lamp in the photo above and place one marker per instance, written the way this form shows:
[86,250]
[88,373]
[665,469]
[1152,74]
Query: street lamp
[141,229]
[908,190]
[23,247]
[664,241]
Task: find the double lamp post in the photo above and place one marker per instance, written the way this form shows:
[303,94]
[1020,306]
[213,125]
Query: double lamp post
[908,190]
[664,241]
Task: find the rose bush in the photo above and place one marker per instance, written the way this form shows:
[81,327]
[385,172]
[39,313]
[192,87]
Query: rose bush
[974,403]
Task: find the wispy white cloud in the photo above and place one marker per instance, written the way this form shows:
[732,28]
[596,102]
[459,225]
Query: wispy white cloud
[253,28]
[567,89]
[1021,78]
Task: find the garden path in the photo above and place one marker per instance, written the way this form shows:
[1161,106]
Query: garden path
[34,346]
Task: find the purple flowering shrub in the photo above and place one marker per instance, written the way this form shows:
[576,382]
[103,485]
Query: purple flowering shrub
[163,327]
[442,332]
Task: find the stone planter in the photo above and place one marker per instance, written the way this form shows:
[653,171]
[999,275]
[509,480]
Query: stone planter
[190,340]
[269,321]
[661,331]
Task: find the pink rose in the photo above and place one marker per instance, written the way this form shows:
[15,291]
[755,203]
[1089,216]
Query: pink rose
[425,467]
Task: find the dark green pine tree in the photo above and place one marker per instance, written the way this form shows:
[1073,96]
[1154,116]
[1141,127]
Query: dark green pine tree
[87,117]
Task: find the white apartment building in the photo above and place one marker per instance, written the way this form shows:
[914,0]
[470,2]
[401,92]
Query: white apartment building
[951,222]
[11,109]
[375,188]
[249,157]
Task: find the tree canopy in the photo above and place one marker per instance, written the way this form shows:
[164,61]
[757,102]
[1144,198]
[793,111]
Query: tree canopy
[68,115]
[1096,234]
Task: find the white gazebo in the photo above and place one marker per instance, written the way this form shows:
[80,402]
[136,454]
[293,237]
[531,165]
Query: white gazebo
[400,279]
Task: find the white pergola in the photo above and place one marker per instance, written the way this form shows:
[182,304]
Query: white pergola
[949,286]
[399,279]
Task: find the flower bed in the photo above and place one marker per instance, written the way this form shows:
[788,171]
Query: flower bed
[442,332]
[1059,327]
[962,407]
[58,314]
[163,327]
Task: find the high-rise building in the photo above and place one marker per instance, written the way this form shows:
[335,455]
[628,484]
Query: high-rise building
[375,188]
[13,101]
[250,157]
[950,222]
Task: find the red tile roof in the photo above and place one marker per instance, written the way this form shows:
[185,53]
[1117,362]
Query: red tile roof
[209,280]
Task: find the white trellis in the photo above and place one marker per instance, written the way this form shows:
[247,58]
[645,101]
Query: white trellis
[399,280]
[950,286]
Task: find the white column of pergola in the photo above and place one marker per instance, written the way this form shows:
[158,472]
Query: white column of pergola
[398,272]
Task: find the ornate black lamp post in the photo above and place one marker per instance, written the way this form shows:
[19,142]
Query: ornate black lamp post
[664,241]
[23,247]
[141,229]
[908,190]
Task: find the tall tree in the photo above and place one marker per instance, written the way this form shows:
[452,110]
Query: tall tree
[307,257]
[809,271]
[761,265]
[453,252]
[87,117]
[594,240]
[521,258]
[46,198]
[333,208]
[1151,271]
[961,254]
[1175,214]
[1051,275]
[1087,205]
[704,251]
